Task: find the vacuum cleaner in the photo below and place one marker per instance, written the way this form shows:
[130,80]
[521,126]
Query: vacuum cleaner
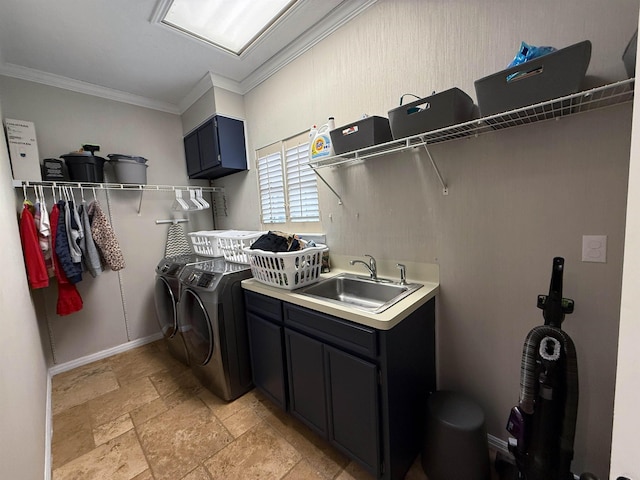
[542,425]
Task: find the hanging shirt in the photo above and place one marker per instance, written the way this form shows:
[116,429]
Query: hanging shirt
[90,254]
[72,270]
[69,299]
[44,234]
[105,238]
[73,233]
[34,261]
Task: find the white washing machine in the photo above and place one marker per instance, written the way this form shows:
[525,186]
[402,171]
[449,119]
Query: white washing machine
[213,324]
[166,297]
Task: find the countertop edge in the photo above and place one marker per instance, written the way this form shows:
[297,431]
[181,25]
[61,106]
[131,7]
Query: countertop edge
[382,321]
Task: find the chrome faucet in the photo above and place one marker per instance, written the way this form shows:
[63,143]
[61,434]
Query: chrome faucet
[403,273]
[371,266]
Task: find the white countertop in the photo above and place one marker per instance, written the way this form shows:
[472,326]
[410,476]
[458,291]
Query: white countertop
[426,274]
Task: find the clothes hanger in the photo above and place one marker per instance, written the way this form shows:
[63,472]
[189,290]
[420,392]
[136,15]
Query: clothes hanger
[179,204]
[194,201]
[43,202]
[200,199]
[72,197]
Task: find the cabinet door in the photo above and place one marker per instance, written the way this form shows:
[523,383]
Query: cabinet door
[231,147]
[192,153]
[352,392]
[267,358]
[307,400]
[208,143]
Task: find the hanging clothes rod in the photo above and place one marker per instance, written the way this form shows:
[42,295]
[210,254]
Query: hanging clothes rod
[174,221]
[116,186]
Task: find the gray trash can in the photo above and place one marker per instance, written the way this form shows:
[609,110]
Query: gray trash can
[455,445]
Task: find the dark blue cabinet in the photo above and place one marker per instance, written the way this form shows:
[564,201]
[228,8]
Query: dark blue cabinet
[216,148]
[352,395]
[364,390]
[264,323]
[307,397]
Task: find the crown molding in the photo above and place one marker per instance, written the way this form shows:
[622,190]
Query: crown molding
[331,22]
[226,83]
[202,87]
[37,76]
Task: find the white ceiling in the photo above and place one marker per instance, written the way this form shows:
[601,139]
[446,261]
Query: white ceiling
[117,49]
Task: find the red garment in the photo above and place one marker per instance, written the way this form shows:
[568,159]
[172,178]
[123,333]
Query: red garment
[69,299]
[33,258]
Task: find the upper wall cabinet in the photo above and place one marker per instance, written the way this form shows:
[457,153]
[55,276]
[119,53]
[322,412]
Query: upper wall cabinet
[216,148]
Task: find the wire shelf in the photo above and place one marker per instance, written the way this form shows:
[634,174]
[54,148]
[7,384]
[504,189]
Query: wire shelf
[593,99]
[115,186]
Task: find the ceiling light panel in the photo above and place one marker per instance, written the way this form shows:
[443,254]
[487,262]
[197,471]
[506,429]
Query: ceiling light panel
[230,24]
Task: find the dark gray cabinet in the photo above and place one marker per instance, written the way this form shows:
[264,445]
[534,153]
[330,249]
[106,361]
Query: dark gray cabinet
[307,392]
[216,148]
[335,394]
[264,323]
[352,395]
[364,390]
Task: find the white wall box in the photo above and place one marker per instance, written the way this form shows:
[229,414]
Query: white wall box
[23,149]
[216,148]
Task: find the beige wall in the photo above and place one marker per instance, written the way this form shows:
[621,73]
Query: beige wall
[198,112]
[23,370]
[118,306]
[517,198]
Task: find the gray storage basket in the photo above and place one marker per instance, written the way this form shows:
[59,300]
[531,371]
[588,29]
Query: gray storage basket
[129,171]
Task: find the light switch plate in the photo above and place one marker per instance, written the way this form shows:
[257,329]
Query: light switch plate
[594,248]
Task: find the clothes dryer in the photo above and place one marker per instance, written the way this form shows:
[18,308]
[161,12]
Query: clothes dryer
[213,324]
[166,297]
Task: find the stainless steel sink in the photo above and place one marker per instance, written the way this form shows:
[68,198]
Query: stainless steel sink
[362,293]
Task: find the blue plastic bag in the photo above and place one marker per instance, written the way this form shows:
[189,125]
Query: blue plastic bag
[529,52]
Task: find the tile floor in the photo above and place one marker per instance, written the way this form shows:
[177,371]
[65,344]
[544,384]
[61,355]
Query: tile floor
[141,415]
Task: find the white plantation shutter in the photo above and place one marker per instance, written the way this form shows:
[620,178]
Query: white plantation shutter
[302,186]
[271,185]
[287,184]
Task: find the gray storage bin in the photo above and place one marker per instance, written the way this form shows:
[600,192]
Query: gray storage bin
[361,134]
[544,78]
[129,171]
[431,113]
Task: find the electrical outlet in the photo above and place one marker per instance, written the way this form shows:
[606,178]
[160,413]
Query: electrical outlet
[594,248]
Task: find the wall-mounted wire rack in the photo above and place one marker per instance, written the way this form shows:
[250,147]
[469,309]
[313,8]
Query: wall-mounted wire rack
[135,187]
[585,101]
[588,100]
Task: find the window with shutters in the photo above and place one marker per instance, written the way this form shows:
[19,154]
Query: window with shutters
[271,185]
[287,184]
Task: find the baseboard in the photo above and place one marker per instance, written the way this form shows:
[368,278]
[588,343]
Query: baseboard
[498,444]
[48,433]
[78,362]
